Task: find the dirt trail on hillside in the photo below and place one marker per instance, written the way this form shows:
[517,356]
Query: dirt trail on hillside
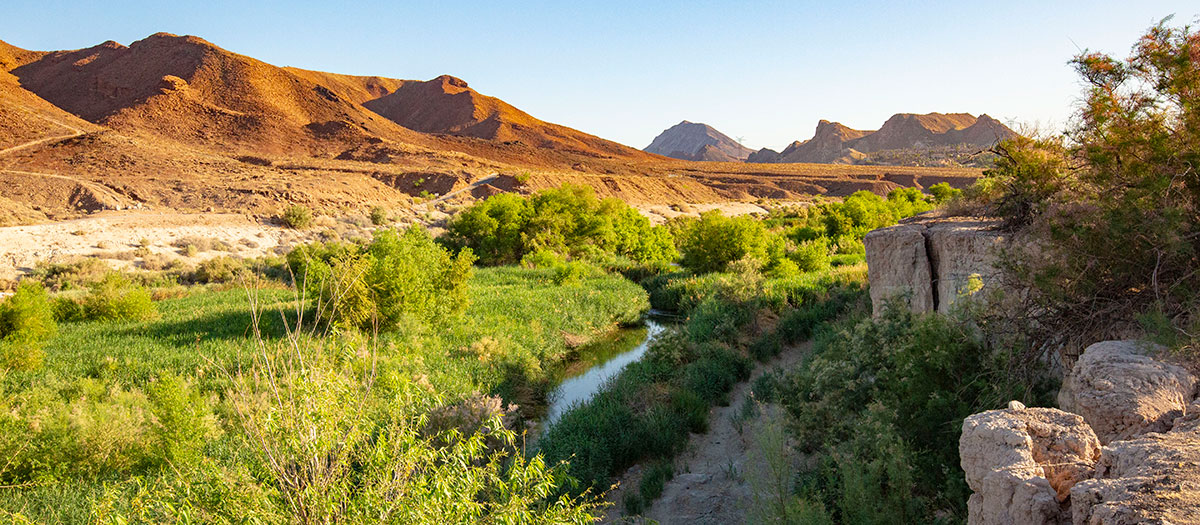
[710,485]
[74,132]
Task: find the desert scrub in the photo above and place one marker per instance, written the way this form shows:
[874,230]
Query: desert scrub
[223,269]
[26,323]
[201,244]
[297,217]
[397,278]
[80,273]
[379,216]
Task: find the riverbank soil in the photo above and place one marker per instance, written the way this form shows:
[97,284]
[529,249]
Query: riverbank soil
[719,472]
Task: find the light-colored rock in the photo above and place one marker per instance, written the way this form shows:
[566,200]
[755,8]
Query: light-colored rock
[897,266]
[932,262]
[962,256]
[1152,479]
[1123,393]
[1022,463]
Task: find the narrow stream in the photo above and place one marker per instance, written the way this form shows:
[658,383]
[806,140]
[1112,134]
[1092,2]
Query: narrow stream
[598,363]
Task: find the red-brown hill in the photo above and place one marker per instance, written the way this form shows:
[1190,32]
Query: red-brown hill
[25,117]
[447,105]
[190,90]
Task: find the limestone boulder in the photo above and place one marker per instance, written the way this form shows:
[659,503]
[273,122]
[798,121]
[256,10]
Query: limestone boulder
[898,266]
[1154,478]
[1123,393]
[1021,464]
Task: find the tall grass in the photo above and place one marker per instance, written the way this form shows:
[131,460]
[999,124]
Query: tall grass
[139,411]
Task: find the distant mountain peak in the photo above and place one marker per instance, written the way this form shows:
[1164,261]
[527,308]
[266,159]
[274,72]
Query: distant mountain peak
[697,141]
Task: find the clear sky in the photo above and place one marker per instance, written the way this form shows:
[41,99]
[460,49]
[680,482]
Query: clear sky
[762,71]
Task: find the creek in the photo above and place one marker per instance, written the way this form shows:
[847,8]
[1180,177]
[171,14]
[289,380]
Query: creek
[599,362]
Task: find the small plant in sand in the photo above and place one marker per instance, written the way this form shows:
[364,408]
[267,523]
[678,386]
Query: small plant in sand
[297,216]
[379,216]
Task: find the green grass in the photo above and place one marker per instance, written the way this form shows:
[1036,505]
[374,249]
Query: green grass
[516,336]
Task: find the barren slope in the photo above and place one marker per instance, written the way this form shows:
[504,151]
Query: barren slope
[447,105]
[192,91]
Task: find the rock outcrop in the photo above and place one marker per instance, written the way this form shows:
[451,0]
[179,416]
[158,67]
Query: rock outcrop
[1152,479]
[1044,465]
[898,267]
[1022,463]
[1122,392]
[910,139]
[930,263]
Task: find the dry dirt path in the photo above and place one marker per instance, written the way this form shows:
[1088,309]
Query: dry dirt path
[75,132]
[710,485]
[468,187]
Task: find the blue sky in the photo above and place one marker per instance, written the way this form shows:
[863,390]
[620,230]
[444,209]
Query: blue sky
[763,71]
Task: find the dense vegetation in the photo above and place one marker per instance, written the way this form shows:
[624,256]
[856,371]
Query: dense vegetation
[568,221]
[1109,216]
[206,408]
[1113,205]
[204,394]
[801,266]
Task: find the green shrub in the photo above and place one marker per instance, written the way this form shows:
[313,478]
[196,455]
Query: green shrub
[1112,204]
[70,275]
[183,422]
[812,256]
[767,345]
[654,479]
[570,273]
[541,259]
[882,401]
[379,216]
[396,278]
[942,193]
[217,270]
[116,298]
[297,217]
[713,242]
[26,322]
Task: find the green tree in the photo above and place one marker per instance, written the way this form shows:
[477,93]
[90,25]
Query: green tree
[714,241]
[569,221]
[1116,207]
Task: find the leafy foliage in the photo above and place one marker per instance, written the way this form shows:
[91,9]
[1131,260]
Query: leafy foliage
[26,322]
[397,277]
[881,403]
[712,242]
[1115,208]
[569,221]
[117,298]
[297,217]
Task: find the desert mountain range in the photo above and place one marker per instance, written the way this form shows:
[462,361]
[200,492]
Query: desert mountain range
[905,139]
[177,122]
